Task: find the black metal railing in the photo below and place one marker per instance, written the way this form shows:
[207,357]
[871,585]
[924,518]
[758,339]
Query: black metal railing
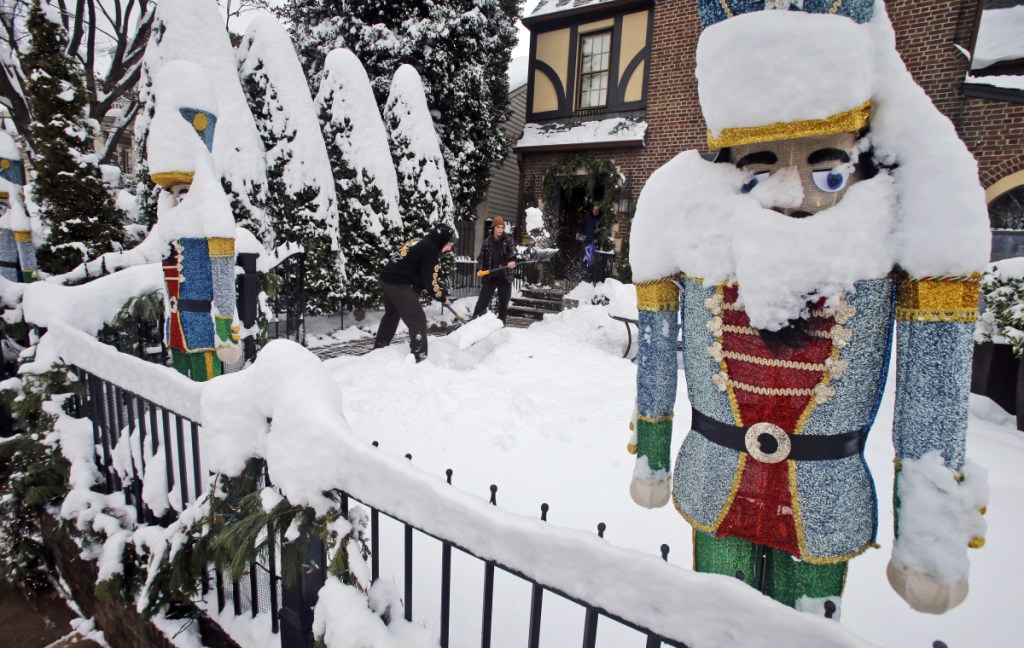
[288,302]
[466,282]
[405,573]
[154,433]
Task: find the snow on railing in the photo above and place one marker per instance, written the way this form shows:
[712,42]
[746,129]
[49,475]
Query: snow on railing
[287,409]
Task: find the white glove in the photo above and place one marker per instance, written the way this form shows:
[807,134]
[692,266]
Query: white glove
[650,494]
[924,592]
[230,354]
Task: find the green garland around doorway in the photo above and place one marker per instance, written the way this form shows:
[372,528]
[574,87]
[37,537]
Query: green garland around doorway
[563,178]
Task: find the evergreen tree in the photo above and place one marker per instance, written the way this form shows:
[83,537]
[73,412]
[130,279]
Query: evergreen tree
[364,175]
[424,197]
[300,201]
[68,185]
[461,47]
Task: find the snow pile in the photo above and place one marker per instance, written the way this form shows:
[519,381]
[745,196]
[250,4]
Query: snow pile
[942,225]
[999,37]
[611,130]
[802,78]
[173,145]
[1008,81]
[415,147]
[469,344]
[90,306]
[548,7]
[280,408]
[938,516]
[343,619]
[204,213]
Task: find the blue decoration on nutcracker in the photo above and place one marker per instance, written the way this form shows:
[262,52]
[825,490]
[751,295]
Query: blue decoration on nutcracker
[204,123]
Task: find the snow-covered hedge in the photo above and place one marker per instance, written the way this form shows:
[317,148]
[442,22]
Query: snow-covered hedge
[1002,289]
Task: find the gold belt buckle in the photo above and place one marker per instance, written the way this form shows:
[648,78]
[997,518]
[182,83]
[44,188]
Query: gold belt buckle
[771,434]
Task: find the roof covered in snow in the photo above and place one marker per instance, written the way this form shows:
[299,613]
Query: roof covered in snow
[611,131]
[547,9]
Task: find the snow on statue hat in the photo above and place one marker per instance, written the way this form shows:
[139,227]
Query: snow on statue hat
[183,124]
[813,74]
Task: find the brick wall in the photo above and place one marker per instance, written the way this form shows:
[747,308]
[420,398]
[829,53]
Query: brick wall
[927,36]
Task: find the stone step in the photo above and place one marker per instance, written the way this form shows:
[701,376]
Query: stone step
[542,293]
[532,313]
[545,304]
[519,322]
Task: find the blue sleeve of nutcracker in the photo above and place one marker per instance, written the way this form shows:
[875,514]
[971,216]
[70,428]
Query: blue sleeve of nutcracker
[222,270]
[26,255]
[934,344]
[657,370]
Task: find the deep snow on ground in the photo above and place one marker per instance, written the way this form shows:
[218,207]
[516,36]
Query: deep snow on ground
[543,413]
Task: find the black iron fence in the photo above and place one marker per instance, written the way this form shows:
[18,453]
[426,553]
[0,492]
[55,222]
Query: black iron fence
[130,435]
[407,536]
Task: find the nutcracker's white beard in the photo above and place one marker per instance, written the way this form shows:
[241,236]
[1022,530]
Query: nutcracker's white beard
[691,218]
[781,263]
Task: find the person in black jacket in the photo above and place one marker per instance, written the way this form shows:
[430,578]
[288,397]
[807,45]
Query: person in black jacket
[498,255]
[410,271]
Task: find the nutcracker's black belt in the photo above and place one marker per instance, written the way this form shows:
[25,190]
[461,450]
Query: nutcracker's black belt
[769,443]
[193,306]
[8,264]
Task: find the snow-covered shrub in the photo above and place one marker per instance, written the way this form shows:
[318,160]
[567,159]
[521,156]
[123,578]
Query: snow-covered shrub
[300,200]
[364,176]
[424,197]
[1002,289]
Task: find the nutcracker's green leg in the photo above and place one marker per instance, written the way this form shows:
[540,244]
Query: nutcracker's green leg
[787,580]
[200,366]
[774,572]
[727,556]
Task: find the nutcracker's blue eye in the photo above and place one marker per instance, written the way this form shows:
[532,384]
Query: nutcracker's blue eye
[753,182]
[831,180]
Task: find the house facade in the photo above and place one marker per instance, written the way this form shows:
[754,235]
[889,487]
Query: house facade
[611,92]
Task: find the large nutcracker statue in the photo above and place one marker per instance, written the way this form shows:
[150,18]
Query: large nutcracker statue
[842,217]
[194,218]
[17,254]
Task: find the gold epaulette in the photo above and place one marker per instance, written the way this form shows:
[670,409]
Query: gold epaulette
[938,299]
[221,247]
[657,296]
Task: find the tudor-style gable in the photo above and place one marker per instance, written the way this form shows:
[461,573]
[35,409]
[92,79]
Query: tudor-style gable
[589,57]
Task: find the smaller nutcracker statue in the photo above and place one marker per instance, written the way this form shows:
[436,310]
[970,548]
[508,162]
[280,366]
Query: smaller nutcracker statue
[17,254]
[194,218]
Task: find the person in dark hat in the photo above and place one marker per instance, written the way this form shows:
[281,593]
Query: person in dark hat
[498,258]
[413,269]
